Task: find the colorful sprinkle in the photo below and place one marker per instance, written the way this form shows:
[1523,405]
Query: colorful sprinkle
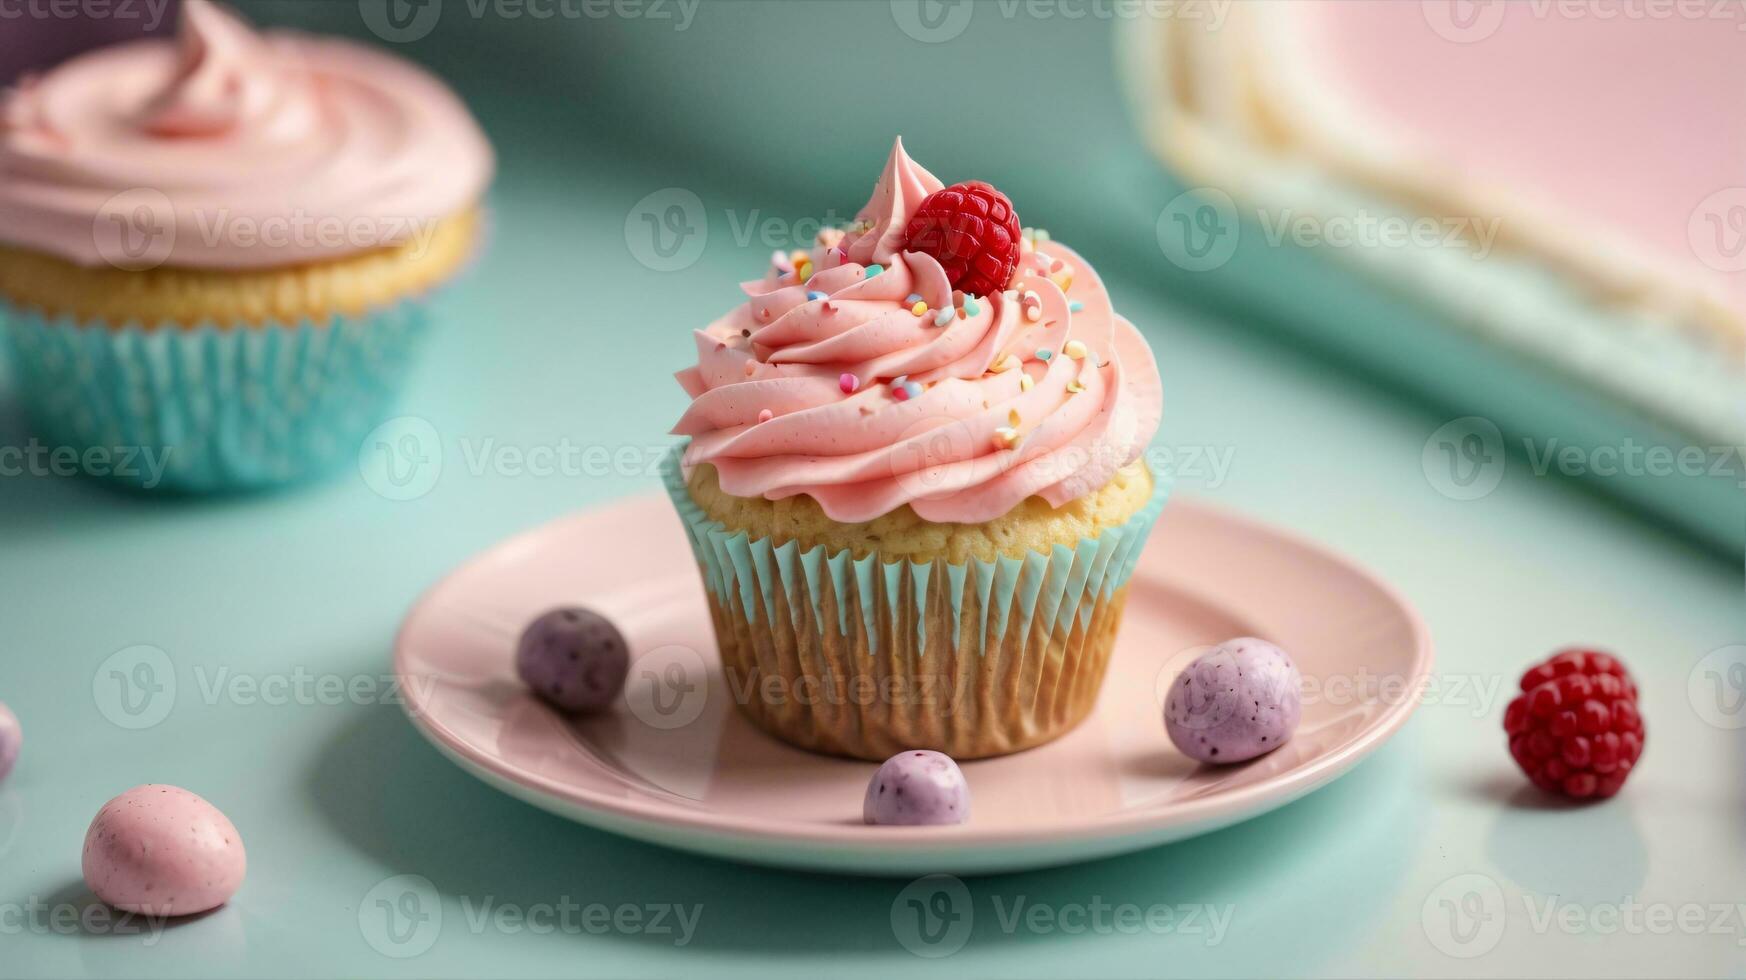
[911,390]
[1006,437]
[1005,364]
[1044,354]
[1074,306]
[874,270]
[1074,387]
[815,295]
[912,298]
[765,416]
[848,382]
[1026,382]
[1012,418]
[1075,349]
[970,307]
[751,368]
[919,308]
[943,317]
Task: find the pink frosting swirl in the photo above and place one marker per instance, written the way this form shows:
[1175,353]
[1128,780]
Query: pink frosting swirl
[835,386]
[263,149]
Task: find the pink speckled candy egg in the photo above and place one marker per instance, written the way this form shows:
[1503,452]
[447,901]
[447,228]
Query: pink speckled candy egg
[161,850]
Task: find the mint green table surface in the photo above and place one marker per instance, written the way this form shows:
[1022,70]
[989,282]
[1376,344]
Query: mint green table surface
[1429,859]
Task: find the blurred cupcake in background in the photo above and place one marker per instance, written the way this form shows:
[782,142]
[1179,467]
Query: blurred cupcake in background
[218,254]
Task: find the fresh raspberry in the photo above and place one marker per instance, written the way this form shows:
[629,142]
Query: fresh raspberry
[972,229]
[1575,728]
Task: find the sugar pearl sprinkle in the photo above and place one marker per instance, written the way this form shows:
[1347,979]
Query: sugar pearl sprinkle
[904,389]
[1075,349]
[765,416]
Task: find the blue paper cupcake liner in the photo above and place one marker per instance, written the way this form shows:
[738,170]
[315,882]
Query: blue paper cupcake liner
[1020,642]
[217,408]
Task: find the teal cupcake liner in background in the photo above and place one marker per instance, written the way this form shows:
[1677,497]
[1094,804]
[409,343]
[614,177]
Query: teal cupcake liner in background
[1059,586]
[211,408]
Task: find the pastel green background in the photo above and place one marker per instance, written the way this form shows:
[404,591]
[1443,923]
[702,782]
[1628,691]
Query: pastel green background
[786,110]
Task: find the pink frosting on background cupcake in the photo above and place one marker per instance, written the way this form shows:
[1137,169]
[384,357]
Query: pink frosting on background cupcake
[226,128]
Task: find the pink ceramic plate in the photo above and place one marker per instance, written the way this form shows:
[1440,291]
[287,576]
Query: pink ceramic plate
[675,764]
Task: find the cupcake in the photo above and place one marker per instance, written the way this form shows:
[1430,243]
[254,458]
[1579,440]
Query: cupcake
[217,254]
[913,480]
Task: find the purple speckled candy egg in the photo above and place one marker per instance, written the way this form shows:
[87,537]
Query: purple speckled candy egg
[574,658]
[161,850]
[1241,699]
[11,739]
[917,788]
